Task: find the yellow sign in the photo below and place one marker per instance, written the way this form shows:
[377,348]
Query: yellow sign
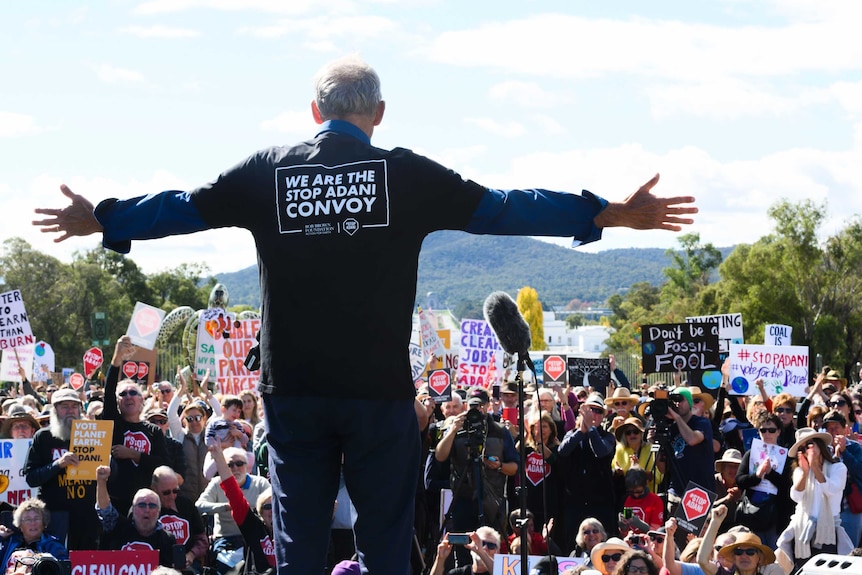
[91,442]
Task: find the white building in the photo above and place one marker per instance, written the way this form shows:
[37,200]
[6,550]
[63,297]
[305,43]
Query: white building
[585,341]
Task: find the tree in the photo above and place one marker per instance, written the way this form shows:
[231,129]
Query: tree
[575,320]
[181,286]
[531,308]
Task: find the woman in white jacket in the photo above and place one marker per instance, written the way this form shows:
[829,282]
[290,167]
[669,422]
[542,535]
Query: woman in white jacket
[818,485]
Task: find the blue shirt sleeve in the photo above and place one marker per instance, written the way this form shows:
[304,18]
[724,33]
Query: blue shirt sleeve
[168,213]
[538,212]
[510,452]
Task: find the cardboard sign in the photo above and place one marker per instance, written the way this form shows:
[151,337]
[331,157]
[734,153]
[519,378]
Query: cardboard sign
[43,361]
[13,485]
[539,366]
[224,349]
[511,564]
[207,353]
[14,322]
[783,368]
[479,346]
[93,359]
[555,369]
[693,510]
[431,344]
[91,442]
[594,372]
[138,562]
[776,334]
[672,347]
[440,385]
[142,372]
[729,328]
[9,363]
[144,326]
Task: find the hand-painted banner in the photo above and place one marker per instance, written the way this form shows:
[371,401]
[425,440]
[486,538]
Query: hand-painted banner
[13,485]
[776,334]
[431,344]
[9,363]
[478,346]
[783,368]
[14,322]
[230,352]
[593,373]
[674,347]
[729,328]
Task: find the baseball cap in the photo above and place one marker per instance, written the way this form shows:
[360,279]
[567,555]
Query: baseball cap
[479,393]
[65,394]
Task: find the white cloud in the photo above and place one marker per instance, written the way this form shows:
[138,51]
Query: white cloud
[12,125]
[113,75]
[526,94]
[328,28]
[159,31]
[548,125]
[497,128]
[268,6]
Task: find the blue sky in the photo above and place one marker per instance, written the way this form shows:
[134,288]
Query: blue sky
[738,102]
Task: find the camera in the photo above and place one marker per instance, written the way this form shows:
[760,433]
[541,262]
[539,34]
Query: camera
[628,513]
[458,538]
[660,403]
[46,564]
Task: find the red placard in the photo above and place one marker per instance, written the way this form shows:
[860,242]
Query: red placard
[130,369]
[127,562]
[695,503]
[555,367]
[76,380]
[93,359]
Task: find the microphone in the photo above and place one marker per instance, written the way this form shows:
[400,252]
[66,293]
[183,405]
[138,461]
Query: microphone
[508,324]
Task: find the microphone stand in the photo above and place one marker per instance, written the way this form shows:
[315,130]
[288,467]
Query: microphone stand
[523,520]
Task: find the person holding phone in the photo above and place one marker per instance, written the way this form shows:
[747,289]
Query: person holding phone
[482,544]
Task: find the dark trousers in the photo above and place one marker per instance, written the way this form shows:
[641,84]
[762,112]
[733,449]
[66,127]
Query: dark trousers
[379,442]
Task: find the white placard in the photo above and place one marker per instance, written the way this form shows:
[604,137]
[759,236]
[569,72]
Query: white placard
[14,322]
[777,334]
[783,368]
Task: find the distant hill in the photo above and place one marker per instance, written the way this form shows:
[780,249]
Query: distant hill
[463,268]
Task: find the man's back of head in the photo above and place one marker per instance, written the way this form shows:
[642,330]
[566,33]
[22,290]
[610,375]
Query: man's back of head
[346,87]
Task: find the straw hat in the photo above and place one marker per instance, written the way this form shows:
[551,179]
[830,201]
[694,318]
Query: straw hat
[628,423]
[729,456]
[611,546]
[622,394]
[748,540]
[595,400]
[806,434]
[707,399]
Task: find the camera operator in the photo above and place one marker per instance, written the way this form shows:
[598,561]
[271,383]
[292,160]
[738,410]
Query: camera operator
[689,438]
[476,444]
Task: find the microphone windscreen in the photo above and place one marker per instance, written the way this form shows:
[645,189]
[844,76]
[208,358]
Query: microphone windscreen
[508,324]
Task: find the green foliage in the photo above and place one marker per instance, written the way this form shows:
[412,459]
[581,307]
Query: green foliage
[531,308]
[575,320]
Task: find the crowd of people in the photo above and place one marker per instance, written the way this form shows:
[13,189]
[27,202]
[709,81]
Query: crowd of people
[605,474]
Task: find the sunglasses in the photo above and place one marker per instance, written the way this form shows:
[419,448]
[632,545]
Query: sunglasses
[621,403]
[130,392]
[837,403]
[159,421]
[749,551]
[191,418]
[675,397]
[266,507]
[768,430]
[591,532]
[656,538]
[636,569]
[782,410]
[233,464]
[173,491]
[857,411]
[697,400]
[166,389]
[597,410]
[614,557]
[633,432]
[489,545]
[146,505]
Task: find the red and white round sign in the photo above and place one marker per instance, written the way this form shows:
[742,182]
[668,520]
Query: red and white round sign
[695,503]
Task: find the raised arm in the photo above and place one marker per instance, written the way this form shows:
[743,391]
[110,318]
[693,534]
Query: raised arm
[644,211]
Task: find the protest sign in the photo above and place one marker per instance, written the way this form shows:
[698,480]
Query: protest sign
[140,366]
[76,380]
[440,385]
[43,361]
[91,442]
[555,369]
[207,353]
[729,331]
[539,366]
[783,368]
[759,453]
[14,323]
[511,564]
[13,485]
[594,372]
[431,344]
[137,561]
[228,347]
[674,347]
[693,511]
[417,362]
[144,326]
[9,363]
[93,359]
[478,346]
[776,334]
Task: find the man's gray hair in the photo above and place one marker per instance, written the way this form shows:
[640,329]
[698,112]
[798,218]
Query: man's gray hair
[345,87]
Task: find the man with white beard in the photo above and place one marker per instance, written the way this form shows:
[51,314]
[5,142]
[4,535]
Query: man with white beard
[46,465]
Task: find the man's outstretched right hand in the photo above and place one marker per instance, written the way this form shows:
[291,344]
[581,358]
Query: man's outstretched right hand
[76,219]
